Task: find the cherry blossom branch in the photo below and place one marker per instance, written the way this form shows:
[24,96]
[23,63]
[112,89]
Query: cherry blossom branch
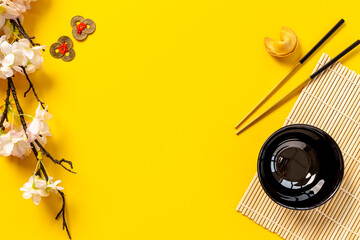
[4,114]
[63,213]
[23,123]
[31,86]
[60,162]
[21,29]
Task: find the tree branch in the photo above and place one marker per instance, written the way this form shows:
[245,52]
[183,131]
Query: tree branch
[4,114]
[31,86]
[63,213]
[60,162]
[23,123]
[18,25]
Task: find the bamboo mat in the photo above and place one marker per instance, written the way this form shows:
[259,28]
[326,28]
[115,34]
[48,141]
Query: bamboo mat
[330,102]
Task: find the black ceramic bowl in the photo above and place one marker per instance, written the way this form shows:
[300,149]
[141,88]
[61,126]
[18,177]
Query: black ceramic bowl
[300,167]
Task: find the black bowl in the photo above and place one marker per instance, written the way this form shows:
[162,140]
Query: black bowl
[300,167]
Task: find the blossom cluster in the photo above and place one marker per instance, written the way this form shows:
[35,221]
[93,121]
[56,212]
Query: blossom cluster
[12,9]
[38,187]
[17,143]
[18,55]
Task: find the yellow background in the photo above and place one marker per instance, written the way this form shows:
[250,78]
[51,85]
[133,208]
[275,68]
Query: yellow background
[146,112]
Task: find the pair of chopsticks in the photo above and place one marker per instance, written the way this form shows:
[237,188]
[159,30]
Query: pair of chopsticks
[301,85]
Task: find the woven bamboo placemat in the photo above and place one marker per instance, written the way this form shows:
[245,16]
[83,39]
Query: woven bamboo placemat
[330,102]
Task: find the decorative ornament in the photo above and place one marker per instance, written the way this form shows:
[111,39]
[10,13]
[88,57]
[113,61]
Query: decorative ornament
[82,27]
[63,49]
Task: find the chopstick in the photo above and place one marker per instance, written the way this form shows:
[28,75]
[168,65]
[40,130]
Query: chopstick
[297,65]
[301,85]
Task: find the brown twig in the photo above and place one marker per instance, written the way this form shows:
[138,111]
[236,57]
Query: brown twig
[18,25]
[63,213]
[4,114]
[60,162]
[31,86]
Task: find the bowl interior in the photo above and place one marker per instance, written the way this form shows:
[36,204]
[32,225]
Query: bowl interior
[300,167]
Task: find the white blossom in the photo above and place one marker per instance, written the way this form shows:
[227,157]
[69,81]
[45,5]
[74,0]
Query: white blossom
[19,54]
[38,187]
[23,5]
[6,125]
[14,143]
[6,65]
[39,125]
[12,9]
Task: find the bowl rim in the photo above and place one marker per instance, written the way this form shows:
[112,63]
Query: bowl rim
[312,129]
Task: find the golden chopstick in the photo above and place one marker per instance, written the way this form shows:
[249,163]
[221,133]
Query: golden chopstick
[301,85]
[297,65]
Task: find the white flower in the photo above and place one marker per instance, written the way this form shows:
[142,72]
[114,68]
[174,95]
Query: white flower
[52,186]
[39,125]
[37,187]
[24,46]
[6,125]
[12,9]
[37,58]
[14,143]
[23,5]
[8,11]
[17,55]
[6,65]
